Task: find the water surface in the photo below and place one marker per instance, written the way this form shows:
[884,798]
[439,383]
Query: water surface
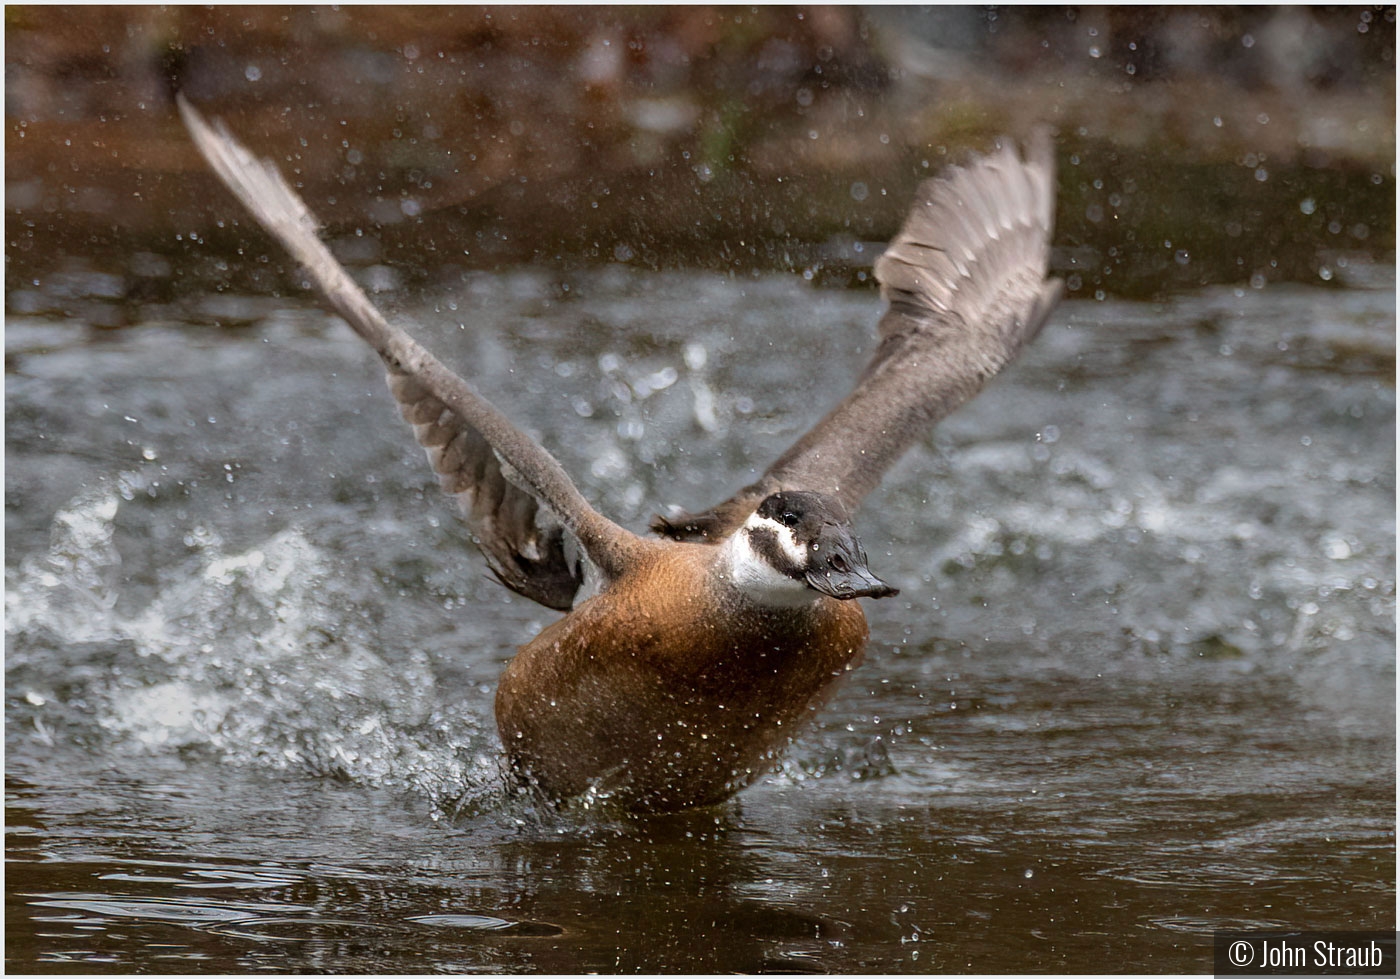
[1139,683]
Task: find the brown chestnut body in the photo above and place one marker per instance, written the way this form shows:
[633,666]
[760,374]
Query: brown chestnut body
[672,688]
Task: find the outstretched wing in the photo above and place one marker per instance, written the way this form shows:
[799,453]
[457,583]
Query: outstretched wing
[522,508]
[526,545]
[966,287]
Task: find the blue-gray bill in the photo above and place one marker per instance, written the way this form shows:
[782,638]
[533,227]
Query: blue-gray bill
[840,569]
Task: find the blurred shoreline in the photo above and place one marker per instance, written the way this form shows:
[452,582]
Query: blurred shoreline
[1196,145]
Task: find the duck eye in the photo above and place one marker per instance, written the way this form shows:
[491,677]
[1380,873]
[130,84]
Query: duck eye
[789,520]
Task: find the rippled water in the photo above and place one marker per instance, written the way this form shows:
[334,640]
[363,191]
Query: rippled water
[1139,683]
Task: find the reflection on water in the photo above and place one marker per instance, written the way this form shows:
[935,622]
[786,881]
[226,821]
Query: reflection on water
[1139,684]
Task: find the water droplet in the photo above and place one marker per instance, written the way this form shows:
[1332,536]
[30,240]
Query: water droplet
[1336,549]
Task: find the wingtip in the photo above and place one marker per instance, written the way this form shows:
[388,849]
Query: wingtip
[1040,152]
[189,115]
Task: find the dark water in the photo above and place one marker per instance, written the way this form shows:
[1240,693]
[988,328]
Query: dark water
[1139,685]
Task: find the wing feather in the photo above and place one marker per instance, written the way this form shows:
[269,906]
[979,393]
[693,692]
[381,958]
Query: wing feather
[965,280]
[520,505]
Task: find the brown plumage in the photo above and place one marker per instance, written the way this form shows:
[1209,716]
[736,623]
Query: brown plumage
[670,690]
[686,663]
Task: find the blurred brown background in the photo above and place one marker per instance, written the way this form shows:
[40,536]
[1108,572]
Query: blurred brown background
[1196,144]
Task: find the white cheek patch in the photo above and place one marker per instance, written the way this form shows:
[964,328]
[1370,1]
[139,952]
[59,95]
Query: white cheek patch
[795,552]
[765,584]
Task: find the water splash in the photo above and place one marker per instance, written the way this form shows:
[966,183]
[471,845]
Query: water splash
[255,657]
